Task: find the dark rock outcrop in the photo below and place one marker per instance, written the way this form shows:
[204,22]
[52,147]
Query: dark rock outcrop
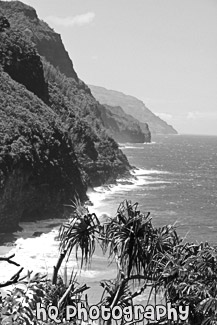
[49,44]
[133,106]
[21,61]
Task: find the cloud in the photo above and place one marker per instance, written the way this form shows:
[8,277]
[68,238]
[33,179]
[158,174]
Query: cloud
[79,20]
[201,115]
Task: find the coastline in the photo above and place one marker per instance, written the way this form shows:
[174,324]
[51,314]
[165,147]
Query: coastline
[36,248]
[153,185]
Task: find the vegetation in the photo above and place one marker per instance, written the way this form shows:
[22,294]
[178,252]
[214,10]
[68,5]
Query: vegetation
[148,259]
[20,60]
[4,24]
[53,144]
[52,140]
[49,46]
[38,166]
[24,19]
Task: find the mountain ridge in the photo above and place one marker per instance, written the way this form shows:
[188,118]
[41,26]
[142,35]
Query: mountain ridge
[53,144]
[124,127]
[133,106]
[49,45]
[47,41]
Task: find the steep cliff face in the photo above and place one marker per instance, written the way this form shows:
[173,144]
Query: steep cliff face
[99,156]
[50,46]
[123,127]
[48,43]
[38,168]
[133,106]
[21,61]
[50,150]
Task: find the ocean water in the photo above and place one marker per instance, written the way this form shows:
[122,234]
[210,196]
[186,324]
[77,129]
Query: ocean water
[175,179]
[176,182]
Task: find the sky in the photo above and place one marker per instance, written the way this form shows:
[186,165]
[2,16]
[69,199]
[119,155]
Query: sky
[163,52]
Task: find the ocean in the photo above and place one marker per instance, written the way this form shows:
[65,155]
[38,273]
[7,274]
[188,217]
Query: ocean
[177,184]
[175,179]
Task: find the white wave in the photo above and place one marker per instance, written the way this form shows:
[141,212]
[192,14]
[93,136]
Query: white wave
[93,274]
[139,177]
[131,147]
[150,143]
[139,146]
[98,194]
[145,172]
[38,254]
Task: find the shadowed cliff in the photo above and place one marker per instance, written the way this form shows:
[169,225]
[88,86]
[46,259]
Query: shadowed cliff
[49,45]
[135,107]
[123,127]
[53,142]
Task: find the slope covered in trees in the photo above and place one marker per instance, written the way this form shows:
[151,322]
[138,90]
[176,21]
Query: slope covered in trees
[38,167]
[49,45]
[52,147]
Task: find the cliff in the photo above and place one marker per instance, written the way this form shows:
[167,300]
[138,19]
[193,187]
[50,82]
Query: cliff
[135,107]
[99,156]
[39,171]
[123,127]
[53,143]
[21,61]
[49,44]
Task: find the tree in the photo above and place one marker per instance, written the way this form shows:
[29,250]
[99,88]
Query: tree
[130,240]
[16,277]
[153,258]
[148,259]
[4,24]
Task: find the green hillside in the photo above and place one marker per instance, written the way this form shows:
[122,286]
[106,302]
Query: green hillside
[53,141]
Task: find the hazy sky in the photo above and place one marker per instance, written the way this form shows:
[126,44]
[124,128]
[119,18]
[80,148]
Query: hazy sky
[161,51]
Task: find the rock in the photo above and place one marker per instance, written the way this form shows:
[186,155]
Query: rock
[123,127]
[38,168]
[135,107]
[37,234]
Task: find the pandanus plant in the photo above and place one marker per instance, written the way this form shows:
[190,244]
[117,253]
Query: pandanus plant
[154,257]
[134,242]
[189,276]
[79,233]
[125,236]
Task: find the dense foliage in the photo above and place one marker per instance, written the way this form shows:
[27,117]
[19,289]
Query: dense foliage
[97,153]
[38,166]
[51,150]
[49,45]
[24,18]
[148,259]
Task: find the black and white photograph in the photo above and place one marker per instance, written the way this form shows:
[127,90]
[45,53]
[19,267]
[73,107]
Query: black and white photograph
[108,162]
